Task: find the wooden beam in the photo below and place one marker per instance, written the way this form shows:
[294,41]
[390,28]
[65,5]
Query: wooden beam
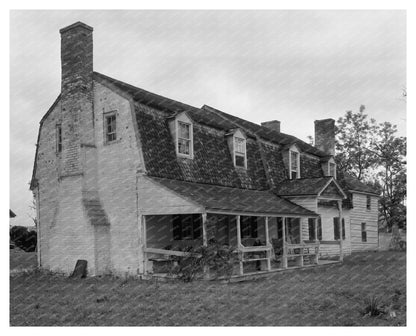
[204,230]
[284,255]
[240,253]
[268,253]
[341,256]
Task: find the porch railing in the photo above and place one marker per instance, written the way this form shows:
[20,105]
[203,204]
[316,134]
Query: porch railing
[299,251]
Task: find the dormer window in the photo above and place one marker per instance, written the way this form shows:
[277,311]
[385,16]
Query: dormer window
[184,138]
[294,164]
[240,152]
[332,169]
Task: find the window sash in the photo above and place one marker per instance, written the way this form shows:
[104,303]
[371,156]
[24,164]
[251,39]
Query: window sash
[187,227]
[184,140]
[368,202]
[294,165]
[248,227]
[184,131]
[111,126]
[363,232]
[332,169]
[336,228]
[311,228]
[319,229]
[240,152]
[59,138]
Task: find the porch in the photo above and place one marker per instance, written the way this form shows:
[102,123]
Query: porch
[260,243]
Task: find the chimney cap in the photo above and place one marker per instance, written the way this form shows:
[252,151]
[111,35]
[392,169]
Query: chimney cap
[76,25]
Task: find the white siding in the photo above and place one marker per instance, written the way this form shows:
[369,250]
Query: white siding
[360,214]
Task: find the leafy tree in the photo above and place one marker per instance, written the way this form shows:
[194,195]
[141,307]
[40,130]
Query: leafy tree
[374,154]
[355,137]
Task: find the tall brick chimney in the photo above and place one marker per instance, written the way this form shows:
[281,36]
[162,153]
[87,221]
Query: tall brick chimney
[325,135]
[272,124]
[76,95]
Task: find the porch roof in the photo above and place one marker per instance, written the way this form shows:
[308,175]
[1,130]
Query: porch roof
[308,187]
[233,200]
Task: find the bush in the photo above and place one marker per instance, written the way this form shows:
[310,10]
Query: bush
[372,306]
[23,238]
[216,258]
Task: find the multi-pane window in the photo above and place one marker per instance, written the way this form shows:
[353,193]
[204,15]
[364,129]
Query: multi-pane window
[343,229]
[240,152]
[368,202]
[187,227]
[58,138]
[332,169]
[294,165]
[184,138]
[363,232]
[110,128]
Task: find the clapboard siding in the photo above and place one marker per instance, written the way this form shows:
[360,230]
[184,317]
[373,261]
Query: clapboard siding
[156,199]
[360,214]
[327,217]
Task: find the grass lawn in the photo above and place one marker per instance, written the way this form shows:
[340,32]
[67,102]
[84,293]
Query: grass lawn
[328,295]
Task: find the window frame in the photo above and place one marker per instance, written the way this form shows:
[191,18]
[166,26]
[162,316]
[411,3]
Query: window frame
[249,227]
[335,169]
[319,229]
[240,154]
[368,202]
[336,228]
[363,232]
[108,115]
[297,164]
[183,222]
[190,139]
[59,146]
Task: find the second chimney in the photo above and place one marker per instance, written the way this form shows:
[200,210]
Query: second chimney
[325,136]
[272,124]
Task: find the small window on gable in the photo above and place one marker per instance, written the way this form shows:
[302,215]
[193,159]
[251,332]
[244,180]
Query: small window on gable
[110,128]
[332,169]
[184,139]
[368,202]
[58,138]
[240,152]
[294,164]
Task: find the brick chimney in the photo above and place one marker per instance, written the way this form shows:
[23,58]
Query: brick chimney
[325,135]
[272,124]
[76,95]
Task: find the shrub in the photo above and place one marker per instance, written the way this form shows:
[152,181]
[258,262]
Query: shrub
[216,258]
[23,238]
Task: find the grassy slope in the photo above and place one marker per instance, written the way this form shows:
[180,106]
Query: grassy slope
[330,295]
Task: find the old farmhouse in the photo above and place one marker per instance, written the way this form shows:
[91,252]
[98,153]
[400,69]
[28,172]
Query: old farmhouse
[125,179]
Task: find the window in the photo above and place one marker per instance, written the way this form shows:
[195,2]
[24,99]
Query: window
[336,228]
[332,169]
[319,229]
[110,128]
[184,132]
[363,232]
[248,227]
[240,152]
[343,229]
[294,164]
[311,228]
[187,227]
[58,138]
[368,202]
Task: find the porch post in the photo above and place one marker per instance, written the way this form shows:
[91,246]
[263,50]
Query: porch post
[240,254]
[284,255]
[341,257]
[204,229]
[144,242]
[205,241]
[316,240]
[268,253]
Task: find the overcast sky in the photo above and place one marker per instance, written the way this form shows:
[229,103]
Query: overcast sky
[293,66]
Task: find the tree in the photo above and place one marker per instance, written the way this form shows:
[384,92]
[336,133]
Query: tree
[374,154]
[391,158]
[354,139]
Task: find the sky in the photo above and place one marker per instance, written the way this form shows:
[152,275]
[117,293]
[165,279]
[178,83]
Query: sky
[293,66]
